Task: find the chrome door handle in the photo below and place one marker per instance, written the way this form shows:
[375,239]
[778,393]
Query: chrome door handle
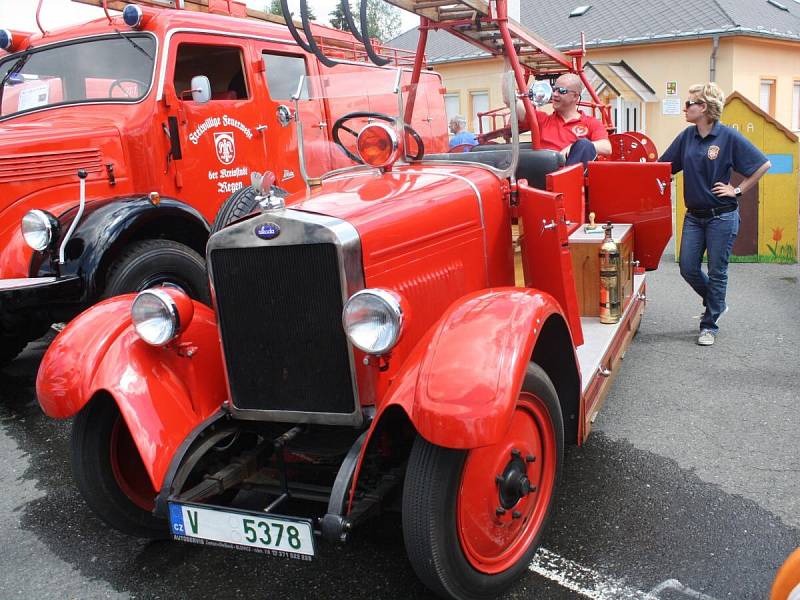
[551,225]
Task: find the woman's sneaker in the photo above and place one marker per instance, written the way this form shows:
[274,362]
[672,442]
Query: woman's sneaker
[706,338]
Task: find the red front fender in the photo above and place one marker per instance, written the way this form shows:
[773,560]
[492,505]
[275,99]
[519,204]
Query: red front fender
[460,385]
[162,393]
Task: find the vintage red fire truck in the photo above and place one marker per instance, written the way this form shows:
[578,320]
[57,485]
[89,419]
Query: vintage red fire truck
[165,113]
[411,331]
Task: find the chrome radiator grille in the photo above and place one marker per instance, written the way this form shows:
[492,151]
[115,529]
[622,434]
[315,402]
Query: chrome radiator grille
[279,310]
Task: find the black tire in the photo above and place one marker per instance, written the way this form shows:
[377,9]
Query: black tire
[239,204]
[433,490]
[109,472]
[16,332]
[10,347]
[150,263]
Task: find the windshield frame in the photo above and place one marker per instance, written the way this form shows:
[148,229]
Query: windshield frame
[12,58]
[397,89]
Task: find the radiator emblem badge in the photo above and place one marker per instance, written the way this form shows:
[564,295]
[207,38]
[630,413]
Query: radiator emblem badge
[268,231]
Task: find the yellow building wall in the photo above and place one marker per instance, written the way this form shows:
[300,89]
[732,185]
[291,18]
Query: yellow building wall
[686,63]
[464,78]
[741,63]
[756,59]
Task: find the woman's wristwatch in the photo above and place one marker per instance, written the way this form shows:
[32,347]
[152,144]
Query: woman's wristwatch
[737,191]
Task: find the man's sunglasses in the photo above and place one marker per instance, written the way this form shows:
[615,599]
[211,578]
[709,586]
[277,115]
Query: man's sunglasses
[563,90]
[688,103]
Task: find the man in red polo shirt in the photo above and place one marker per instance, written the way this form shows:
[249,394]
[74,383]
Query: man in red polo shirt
[578,136]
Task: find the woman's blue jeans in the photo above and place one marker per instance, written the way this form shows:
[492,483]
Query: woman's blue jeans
[714,235]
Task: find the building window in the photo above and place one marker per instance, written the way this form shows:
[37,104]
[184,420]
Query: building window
[767,96]
[480,104]
[452,105]
[796,106]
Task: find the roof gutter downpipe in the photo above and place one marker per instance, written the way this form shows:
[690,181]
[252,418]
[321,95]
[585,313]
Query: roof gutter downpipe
[712,67]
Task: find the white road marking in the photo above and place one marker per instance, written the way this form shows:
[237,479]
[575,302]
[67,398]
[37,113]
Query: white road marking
[674,584]
[596,586]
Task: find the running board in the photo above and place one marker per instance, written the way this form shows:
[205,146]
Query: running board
[604,349]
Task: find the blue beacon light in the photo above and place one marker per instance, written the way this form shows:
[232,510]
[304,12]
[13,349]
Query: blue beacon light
[132,15]
[6,39]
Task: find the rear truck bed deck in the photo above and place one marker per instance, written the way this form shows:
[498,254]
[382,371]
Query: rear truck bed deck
[604,349]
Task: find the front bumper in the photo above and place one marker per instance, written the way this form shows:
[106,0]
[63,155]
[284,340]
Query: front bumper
[39,292]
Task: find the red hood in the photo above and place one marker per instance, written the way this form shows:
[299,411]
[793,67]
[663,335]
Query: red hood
[397,214]
[39,161]
[43,153]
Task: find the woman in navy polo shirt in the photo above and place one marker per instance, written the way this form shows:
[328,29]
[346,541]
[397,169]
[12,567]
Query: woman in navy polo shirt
[707,153]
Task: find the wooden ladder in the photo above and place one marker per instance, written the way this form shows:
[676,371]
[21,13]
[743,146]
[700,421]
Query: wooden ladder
[476,21]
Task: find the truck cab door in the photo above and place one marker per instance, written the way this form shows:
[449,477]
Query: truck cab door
[639,193]
[280,78]
[215,144]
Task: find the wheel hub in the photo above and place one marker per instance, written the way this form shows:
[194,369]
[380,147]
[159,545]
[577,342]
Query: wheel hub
[513,484]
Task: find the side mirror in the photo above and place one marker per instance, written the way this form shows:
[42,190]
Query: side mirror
[201,89]
[540,92]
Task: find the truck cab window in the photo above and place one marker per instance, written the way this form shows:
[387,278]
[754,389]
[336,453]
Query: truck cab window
[221,64]
[283,75]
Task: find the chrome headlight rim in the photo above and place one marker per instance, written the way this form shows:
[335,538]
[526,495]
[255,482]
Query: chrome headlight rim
[391,302]
[171,311]
[49,225]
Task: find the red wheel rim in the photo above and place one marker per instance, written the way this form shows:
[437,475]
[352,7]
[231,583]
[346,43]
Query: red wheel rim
[495,526]
[128,468]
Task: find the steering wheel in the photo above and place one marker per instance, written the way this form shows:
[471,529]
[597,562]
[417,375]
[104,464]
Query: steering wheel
[340,124]
[141,85]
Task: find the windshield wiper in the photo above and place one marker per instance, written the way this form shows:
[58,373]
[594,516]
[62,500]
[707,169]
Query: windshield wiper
[134,44]
[14,70]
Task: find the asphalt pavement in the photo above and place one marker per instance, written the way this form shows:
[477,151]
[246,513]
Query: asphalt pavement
[688,487]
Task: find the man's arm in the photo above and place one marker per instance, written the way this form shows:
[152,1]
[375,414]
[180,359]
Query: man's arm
[603,147]
[599,137]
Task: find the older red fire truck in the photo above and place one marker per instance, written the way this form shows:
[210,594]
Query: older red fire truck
[418,330]
[122,137]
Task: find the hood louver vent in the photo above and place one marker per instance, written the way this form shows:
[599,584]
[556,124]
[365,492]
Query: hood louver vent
[41,165]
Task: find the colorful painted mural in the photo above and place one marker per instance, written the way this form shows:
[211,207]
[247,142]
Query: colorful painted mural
[769,212]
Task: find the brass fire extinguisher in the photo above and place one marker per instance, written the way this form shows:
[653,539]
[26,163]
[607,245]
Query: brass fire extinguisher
[609,279]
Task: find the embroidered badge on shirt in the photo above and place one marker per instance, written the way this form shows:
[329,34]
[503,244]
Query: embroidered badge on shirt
[713,152]
[580,130]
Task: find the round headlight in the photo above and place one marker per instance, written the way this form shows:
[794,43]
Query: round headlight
[373,320]
[155,317]
[37,229]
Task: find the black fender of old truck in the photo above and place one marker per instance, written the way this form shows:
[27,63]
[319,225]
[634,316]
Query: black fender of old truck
[108,226]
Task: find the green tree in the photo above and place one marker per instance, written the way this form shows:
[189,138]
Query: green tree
[383,20]
[274,8]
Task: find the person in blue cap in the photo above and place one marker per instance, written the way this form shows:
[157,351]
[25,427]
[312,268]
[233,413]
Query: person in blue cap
[708,152]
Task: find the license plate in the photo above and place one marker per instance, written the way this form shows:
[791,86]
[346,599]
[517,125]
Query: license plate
[242,530]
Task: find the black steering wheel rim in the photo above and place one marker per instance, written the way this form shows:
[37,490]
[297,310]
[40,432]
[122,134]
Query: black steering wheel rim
[339,125]
[118,83]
